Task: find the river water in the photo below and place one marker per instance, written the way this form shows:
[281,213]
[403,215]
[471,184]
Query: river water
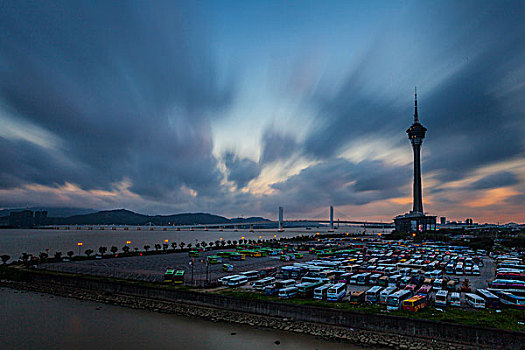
[14,242]
[40,321]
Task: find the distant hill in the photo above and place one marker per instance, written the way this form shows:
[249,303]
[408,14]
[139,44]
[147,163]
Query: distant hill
[126,217]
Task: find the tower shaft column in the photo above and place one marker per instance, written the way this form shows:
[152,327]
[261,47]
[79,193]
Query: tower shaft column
[418,196]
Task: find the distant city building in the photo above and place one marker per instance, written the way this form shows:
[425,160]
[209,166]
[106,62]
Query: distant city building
[40,217]
[27,218]
[416,220]
[469,222]
[443,220]
[21,219]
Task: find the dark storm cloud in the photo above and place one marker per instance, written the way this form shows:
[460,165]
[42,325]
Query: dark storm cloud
[240,171]
[277,146]
[129,90]
[501,179]
[340,182]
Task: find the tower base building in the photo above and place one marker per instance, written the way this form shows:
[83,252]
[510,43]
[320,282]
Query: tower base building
[414,222]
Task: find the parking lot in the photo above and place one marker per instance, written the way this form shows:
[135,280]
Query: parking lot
[152,267]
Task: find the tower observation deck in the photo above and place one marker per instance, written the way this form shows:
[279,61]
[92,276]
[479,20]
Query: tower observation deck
[416,220]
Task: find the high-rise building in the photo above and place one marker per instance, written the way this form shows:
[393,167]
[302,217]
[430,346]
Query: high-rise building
[443,220]
[416,220]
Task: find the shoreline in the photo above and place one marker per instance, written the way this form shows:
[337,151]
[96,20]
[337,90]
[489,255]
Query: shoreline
[327,332]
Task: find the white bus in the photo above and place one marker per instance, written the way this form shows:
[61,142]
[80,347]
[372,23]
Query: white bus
[436,274]
[383,295]
[224,280]
[237,281]
[287,293]
[260,284]
[363,278]
[320,292]
[336,292]
[353,279]
[449,269]
[251,275]
[438,284]
[455,299]
[459,269]
[372,295]
[441,298]
[394,300]
[475,301]
[394,280]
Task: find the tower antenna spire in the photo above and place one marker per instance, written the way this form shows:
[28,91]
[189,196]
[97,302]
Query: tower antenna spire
[416,118]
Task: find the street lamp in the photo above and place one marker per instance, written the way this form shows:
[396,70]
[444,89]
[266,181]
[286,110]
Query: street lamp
[79,245]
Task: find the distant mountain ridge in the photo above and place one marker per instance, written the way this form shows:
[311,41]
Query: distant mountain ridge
[128,217]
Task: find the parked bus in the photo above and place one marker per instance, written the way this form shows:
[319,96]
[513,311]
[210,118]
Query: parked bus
[449,269]
[178,277]
[268,271]
[394,280]
[250,275]
[351,268]
[373,278]
[436,274]
[288,293]
[475,270]
[262,283]
[224,280]
[363,278]
[491,300]
[383,295]
[442,298]
[214,259]
[353,279]
[357,297]
[507,284]
[320,292]
[475,301]
[415,303]
[455,299]
[336,292]
[511,300]
[382,281]
[274,289]
[459,269]
[425,289]
[439,284]
[505,275]
[237,256]
[168,275]
[306,290]
[237,281]
[372,295]
[451,286]
[394,300]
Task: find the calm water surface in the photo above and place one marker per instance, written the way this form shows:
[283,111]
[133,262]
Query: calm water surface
[33,241]
[40,321]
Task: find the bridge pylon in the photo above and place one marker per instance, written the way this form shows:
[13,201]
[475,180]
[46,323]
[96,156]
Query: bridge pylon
[331,219]
[281,216]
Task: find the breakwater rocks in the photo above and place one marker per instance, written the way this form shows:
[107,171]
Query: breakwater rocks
[345,335]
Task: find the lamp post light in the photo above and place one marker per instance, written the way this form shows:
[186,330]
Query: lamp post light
[79,244]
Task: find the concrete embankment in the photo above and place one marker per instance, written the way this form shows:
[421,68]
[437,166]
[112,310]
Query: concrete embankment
[357,328]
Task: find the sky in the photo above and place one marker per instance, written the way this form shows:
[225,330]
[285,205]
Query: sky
[239,107]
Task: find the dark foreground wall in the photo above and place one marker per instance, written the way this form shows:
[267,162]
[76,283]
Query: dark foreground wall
[471,335]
